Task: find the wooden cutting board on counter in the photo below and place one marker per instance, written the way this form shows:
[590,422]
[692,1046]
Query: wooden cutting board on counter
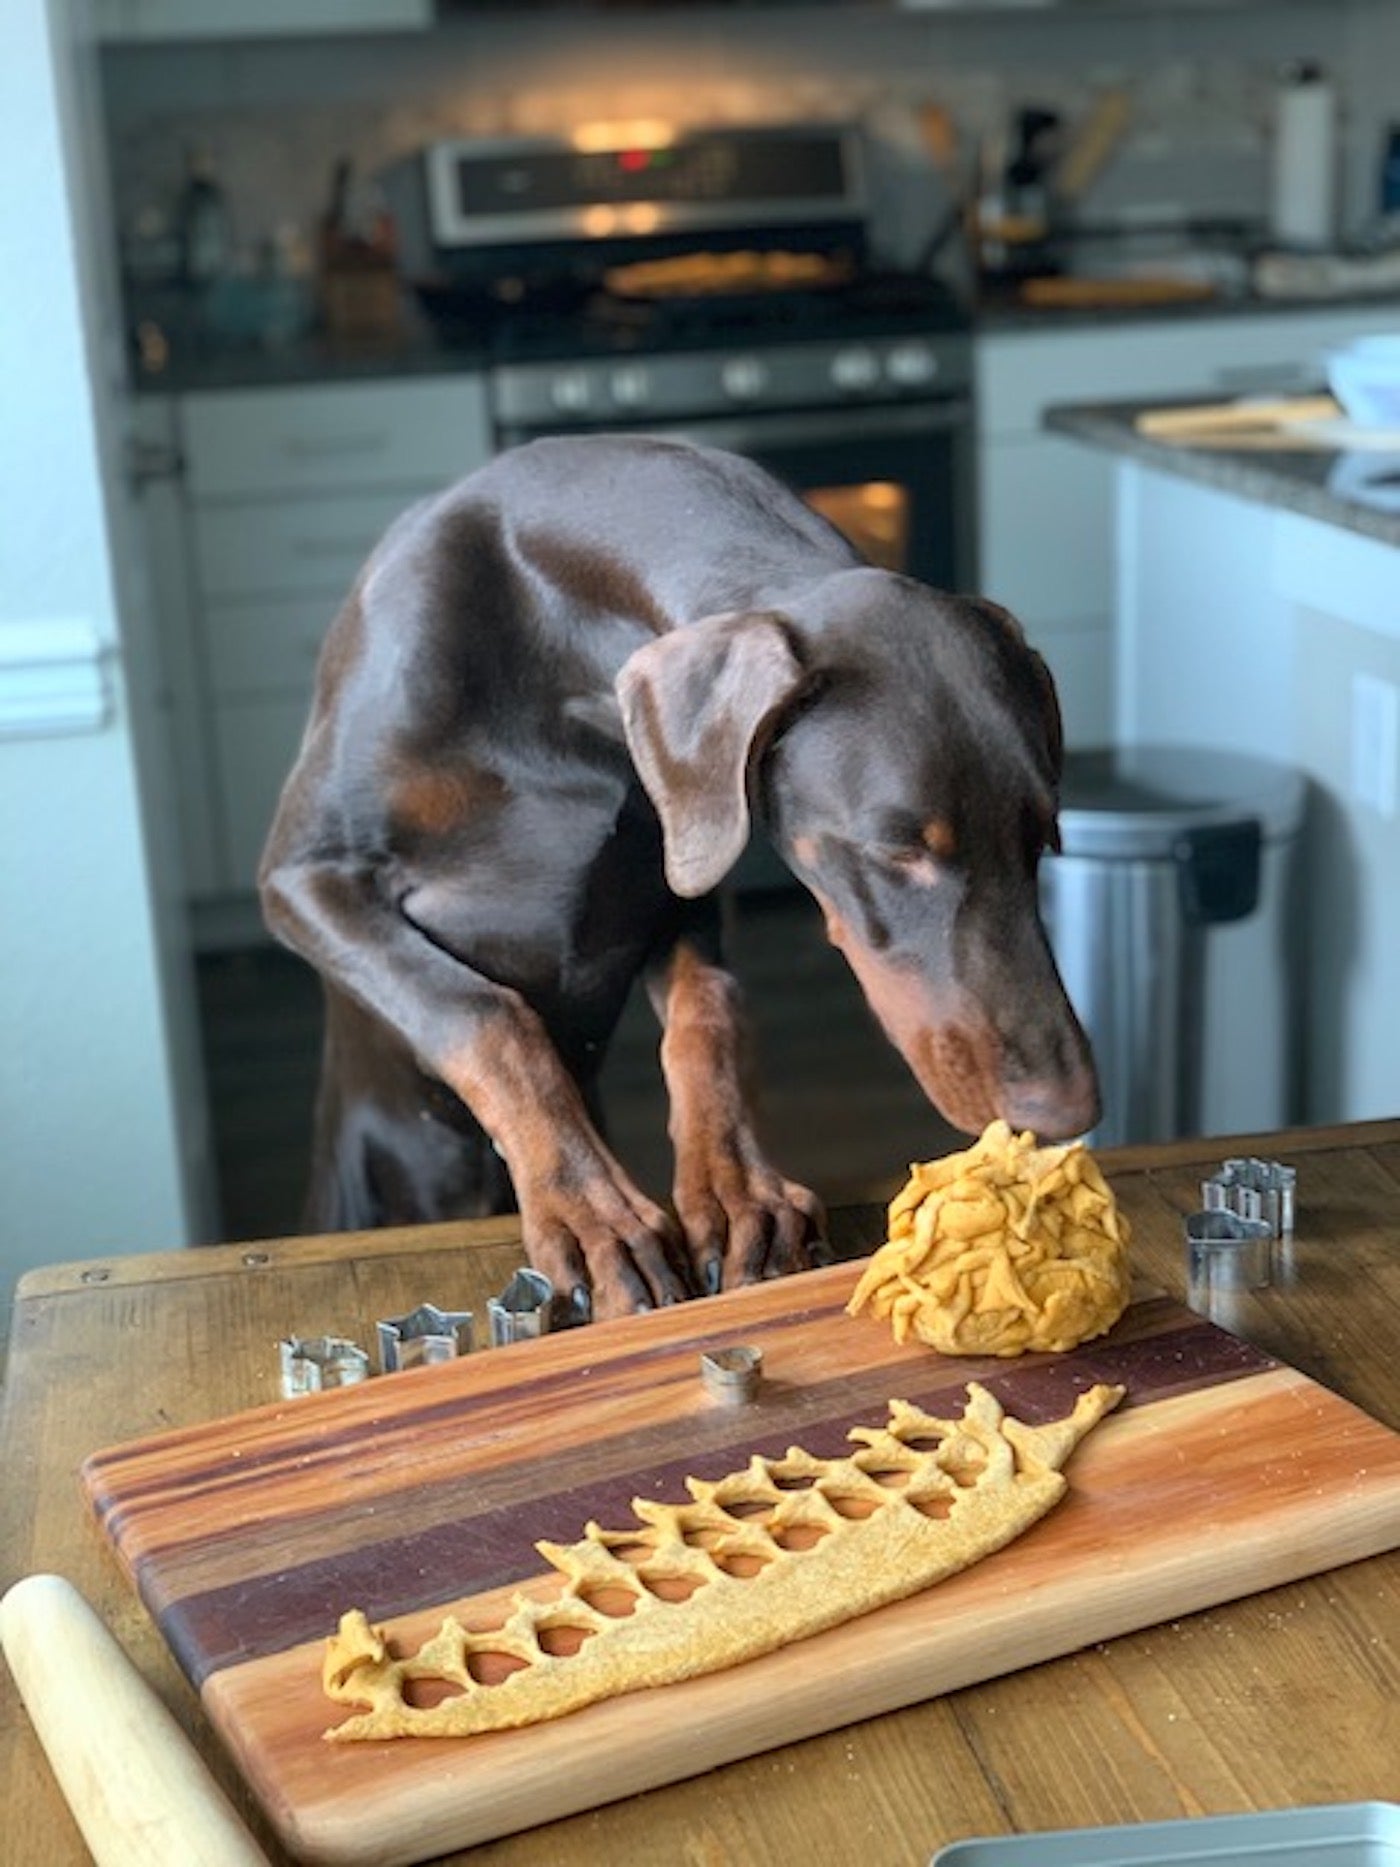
[419,1493]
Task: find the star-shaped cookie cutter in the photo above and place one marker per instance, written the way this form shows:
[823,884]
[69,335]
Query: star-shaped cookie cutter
[424,1336]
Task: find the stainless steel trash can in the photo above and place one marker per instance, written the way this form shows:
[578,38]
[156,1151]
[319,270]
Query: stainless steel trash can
[1171,916]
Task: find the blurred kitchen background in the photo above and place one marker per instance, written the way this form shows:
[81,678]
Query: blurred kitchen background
[282,235]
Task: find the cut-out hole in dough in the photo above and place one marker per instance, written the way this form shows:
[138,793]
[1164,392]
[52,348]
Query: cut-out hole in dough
[798,1536]
[424,1694]
[740,1564]
[490,1668]
[673,1587]
[562,1640]
[852,1508]
[617,1603]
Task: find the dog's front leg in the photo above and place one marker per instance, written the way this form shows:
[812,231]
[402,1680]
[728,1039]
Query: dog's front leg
[743,1219]
[584,1223]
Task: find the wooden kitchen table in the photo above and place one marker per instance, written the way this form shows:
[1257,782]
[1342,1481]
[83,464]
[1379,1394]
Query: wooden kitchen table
[1289,1697]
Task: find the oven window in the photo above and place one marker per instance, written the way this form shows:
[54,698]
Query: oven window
[875,516]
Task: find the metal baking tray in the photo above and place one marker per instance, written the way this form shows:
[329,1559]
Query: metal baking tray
[1345,1834]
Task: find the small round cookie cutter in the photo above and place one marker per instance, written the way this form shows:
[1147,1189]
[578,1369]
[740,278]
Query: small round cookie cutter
[732,1375]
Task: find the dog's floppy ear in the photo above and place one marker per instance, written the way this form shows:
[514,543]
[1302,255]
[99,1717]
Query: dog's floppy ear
[698,705]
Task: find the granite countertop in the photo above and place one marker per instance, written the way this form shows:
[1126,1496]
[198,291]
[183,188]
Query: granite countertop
[307,360]
[1005,313]
[194,362]
[1356,489]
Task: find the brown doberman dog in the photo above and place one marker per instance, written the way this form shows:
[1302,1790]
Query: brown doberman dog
[543,720]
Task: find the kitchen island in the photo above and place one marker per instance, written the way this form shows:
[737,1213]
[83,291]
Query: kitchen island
[1321,469]
[1287,1697]
[1257,609]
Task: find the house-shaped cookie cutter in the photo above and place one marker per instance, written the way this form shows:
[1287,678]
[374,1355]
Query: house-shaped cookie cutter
[523,1310]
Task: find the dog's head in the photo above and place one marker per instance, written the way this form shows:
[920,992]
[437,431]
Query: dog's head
[903,749]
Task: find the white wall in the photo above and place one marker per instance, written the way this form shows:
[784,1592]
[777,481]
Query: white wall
[89,1131]
[275,113]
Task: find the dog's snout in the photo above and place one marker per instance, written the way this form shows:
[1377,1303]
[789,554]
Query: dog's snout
[1054,1110]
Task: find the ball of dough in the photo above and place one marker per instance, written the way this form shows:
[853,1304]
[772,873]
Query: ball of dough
[1005,1248]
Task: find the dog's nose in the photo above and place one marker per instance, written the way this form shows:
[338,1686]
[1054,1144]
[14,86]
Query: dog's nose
[1054,1111]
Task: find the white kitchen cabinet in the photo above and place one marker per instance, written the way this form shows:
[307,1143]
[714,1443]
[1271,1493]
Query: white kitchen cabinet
[1250,626]
[322,438]
[256,548]
[1045,530]
[1046,518]
[254,746]
[119,20]
[281,495]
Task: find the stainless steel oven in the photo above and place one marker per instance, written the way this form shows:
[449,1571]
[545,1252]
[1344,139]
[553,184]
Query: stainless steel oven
[715,283]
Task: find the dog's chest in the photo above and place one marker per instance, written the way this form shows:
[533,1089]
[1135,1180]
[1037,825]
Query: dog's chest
[559,891]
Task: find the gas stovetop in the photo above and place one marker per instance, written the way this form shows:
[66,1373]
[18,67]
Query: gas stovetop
[569,322]
[683,271]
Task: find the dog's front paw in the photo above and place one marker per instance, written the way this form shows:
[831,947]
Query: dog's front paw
[744,1221]
[607,1249]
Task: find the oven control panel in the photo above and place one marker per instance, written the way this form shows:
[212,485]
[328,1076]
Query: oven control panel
[519,190]
[597,391]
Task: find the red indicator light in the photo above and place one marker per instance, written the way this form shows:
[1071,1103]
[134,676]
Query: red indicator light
[633,161]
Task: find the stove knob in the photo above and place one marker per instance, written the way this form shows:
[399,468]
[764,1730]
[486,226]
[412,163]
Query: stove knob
[743,378]
[912,364]
[571,392]
[855,369]
[631,386]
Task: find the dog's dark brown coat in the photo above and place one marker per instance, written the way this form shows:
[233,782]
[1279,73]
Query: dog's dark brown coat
[541,724]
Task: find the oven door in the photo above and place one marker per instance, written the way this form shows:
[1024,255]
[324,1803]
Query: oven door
[899,482]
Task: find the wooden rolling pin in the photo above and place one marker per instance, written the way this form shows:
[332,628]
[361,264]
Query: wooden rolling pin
[138,1789]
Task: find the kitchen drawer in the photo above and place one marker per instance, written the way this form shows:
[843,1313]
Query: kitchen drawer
[255,747]
[257,548]
[1046,534]
[256,442]
[1019,375]
[220,19]
[268,646]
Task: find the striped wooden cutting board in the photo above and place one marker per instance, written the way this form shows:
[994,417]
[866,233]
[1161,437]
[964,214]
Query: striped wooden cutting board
[424,1492]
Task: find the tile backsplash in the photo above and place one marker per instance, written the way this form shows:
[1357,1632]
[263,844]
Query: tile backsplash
[275,116]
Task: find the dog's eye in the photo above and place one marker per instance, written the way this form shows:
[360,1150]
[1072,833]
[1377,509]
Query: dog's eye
[918,865]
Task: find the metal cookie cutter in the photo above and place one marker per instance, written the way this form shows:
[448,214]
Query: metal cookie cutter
[310,1363]
[732,1375]
[424,1336]
[1254,1189]
[522,1310]
[1226,1255]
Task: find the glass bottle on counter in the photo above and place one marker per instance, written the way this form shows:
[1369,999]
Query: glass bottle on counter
[204,226]
[1390,175]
